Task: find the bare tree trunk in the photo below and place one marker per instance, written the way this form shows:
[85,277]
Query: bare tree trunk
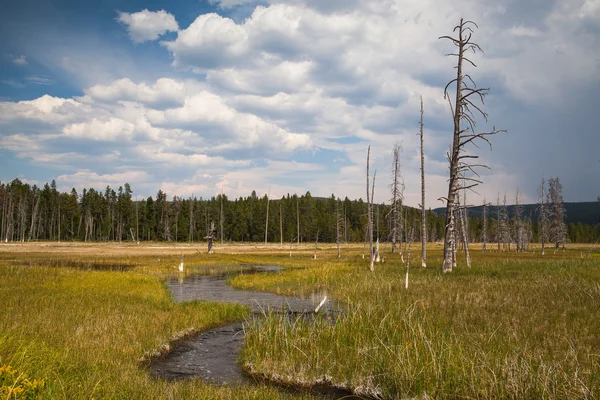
[423,214]
[461,112]
[409,240]
[221,220]
[370,215]
[191,232]
[210,237]
[281,222]
[337,228]
[543,214]
[267,221]
[298,219]
[484,225]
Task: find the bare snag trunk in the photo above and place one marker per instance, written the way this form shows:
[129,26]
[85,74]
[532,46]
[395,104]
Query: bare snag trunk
[423,214]
[462,113]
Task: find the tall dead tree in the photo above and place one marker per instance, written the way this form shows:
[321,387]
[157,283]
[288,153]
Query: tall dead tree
[338,228]
[485,226]
[281,222]
[191,231]
[267,221]
[518,223]
[557,228]
[543,214]
[463,111]
[423,215]
[370,214]
[396,201]
[221,217]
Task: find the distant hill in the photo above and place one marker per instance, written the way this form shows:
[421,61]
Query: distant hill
[585,212]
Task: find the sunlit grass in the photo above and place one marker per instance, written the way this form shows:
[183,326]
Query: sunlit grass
[512,326]
[87,333]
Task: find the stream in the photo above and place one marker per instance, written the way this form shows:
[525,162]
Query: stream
[212,355]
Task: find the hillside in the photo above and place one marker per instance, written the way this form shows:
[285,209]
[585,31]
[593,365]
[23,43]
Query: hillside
[585,212]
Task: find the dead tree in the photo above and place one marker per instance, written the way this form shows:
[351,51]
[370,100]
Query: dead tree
[498,222]
[210,237]
[280,222]
[485,223]
[543,214]
[557,213]
[191,231]
[519,228]
[423,215]
[396,201]
[463,113]
[221,217]
[370,214]
[267,221]
[338,230]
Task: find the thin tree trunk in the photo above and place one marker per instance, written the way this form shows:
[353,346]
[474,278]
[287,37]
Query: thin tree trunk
[267,222]
[423,215]
[280,222]
[484,224]
[369,217]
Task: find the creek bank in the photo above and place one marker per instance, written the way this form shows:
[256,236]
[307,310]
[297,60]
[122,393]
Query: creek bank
[212,355]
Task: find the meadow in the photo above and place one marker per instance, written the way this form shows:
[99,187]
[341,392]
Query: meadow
[511,326]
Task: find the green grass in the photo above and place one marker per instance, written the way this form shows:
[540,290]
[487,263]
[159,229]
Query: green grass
[86,333]
[512,326]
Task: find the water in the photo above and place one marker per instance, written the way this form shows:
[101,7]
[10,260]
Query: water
[212,355]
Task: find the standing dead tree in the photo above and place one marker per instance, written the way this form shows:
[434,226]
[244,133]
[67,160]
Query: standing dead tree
[397,190]
[485,225]
[338,227]
[370,214]
[543,214]
[423,215]
[210,237]
[463,111]
[518,223]
[267,220]
[557,228]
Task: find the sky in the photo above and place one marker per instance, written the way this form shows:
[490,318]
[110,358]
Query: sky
[285,96]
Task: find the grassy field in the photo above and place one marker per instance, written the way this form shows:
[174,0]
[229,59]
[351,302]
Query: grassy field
[512,326]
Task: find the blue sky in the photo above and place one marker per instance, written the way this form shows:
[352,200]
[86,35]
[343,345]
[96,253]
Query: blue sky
[191,97]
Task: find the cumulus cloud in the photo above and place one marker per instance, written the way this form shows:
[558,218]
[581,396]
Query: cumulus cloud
[294,93]
[148,25]
[165,92]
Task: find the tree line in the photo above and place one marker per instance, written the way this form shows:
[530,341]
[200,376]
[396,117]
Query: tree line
[31,213]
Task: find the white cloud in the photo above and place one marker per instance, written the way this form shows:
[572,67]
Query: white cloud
[20,60]
[164,92]
[295,92]
[148,25]
[97,129]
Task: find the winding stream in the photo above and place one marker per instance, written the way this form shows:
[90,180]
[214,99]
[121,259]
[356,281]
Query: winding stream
[212,355]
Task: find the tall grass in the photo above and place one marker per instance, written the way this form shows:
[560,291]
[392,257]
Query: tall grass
[87,333]
[513,326]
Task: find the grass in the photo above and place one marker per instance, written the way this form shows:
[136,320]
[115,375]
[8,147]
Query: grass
[512,326]
[85,334]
